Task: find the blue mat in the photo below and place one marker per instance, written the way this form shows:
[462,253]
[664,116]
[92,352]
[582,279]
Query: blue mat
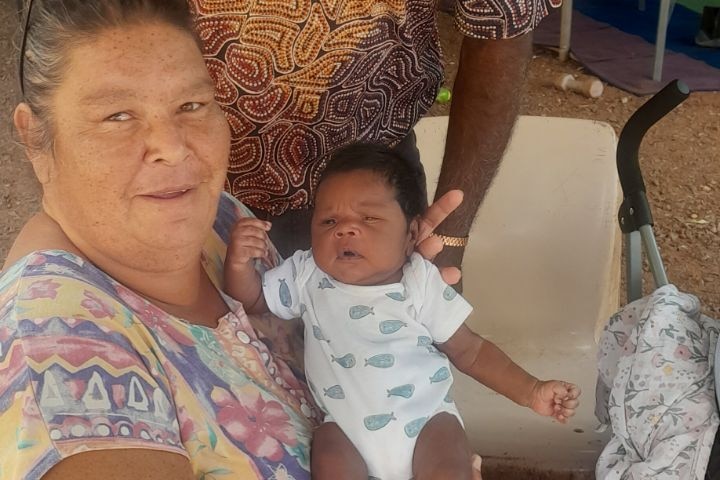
[624,15]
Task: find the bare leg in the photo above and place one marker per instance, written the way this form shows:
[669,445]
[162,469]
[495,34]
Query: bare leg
[333,456]
[442,451]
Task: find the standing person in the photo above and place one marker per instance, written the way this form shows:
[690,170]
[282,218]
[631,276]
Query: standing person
[298,81]
[120,357]
[381,328]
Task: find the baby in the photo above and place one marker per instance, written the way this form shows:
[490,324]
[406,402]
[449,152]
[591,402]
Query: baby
[381,327]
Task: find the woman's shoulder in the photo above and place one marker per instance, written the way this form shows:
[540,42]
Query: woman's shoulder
[40,232]
[52,263]
[52,283]
[37,263]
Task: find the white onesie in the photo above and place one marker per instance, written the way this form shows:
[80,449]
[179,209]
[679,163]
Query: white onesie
[369,354]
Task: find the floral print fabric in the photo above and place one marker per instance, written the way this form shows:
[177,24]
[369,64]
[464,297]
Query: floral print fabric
[87,364]
[656,389]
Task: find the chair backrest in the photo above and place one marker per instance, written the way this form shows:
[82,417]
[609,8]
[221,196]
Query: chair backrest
[542,270]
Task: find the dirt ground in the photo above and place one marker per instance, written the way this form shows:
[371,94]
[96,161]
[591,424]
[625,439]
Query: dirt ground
[680,158]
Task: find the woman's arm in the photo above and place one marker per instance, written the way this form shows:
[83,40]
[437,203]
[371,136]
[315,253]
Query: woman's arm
[138,464]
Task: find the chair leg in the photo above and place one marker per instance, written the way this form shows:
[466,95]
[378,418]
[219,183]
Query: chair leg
[565,29]
[666,7]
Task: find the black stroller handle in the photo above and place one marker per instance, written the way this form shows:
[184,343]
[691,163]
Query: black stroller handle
[637,210]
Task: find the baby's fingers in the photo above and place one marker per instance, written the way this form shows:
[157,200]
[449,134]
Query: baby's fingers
[574,391]
[250,241]
[251,225]
[568,402]
[563,414]
[563,390]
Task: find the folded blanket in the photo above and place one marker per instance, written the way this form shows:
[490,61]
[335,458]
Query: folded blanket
[656,389]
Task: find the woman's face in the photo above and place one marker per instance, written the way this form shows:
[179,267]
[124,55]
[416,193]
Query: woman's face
[140,146]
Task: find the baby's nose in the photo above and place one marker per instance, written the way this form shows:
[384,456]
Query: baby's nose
[346,229]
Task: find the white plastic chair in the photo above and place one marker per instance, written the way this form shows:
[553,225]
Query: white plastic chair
[542,271]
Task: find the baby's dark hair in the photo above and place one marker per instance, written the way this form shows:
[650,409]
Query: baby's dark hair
[407,181]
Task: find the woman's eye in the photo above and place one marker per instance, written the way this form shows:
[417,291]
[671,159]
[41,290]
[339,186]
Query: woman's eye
[190,106]
[118,117]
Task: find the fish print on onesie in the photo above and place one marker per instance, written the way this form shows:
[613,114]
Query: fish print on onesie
[370,354]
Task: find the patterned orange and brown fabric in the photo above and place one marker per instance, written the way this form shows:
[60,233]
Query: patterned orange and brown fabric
[298,79]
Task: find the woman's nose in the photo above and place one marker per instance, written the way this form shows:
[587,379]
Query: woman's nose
[166,142]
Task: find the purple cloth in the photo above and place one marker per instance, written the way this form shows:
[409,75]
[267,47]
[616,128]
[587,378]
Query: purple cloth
[625,60]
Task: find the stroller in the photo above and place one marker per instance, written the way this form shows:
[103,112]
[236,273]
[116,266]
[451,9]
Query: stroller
[656,357]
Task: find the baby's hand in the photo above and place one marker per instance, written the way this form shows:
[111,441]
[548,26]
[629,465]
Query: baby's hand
[248,240]
[556,399]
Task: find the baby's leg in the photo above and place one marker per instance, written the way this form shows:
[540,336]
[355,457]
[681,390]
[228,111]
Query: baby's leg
[442,451]
[333,455]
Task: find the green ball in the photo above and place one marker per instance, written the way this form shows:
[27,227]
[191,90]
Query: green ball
[444,95]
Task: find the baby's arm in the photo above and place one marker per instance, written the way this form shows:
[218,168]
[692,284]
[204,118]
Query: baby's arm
[486,363]
[248,241]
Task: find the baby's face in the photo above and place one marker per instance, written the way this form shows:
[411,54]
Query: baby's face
[360,235]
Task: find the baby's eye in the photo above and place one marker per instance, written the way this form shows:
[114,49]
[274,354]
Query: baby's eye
[190,106]
[370,219]
[328,221]
[118,117]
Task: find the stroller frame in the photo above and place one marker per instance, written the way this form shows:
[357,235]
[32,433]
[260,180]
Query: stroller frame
[634,216]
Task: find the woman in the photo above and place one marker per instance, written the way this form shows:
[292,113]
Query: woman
[119,355]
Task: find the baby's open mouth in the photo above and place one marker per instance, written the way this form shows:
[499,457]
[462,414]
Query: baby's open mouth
[349,254]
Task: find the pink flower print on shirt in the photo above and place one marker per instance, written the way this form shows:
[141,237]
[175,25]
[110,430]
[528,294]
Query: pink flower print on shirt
[37,259]
[41,289]
[96,306]
[263,427]
[155,319]
[187,427]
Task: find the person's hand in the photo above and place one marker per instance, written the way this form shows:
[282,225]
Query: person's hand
[430,246]
[476,465]
[450,259]
[248,240]
[556,399]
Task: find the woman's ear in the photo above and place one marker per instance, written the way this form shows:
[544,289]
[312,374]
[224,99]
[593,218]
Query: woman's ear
[26,124]
[413,232]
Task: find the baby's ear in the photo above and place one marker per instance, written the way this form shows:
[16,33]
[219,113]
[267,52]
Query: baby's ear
[412,238]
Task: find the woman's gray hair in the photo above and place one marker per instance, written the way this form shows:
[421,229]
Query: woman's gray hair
[55,27]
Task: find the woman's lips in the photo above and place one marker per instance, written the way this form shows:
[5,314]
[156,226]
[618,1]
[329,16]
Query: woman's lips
[168,193]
